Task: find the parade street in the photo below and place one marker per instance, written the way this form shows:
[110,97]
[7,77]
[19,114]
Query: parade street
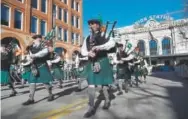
[164,96]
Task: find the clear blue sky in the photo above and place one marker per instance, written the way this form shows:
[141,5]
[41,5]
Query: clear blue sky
[126,12]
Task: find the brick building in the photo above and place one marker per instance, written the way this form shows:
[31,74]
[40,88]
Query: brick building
[21,19]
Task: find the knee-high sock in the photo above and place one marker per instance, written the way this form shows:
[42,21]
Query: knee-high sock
[120,84]
[32,88]
[49,88]
[23,81]
[126,82]
[144,77]
[60,82]
[91,94]
[12,87]
[106,94]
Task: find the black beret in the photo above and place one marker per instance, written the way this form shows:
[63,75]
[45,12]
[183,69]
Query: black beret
[37,36]
[92,21]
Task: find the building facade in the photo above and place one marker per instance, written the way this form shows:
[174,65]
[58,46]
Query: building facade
[21,19]
[160,39]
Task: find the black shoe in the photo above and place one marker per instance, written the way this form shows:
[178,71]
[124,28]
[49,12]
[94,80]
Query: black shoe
[140,81]
[136,84]
[78,90]
[28,102]
[21,87]
[106,105]
[126,90]
[131,85]
[50,98]
[60,86]
[89,113]
[13,94]
[120,93]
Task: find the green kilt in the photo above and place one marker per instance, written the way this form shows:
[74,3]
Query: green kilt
[44,75]
[137,71]
[73,72]
[104,77]
[82,72]
[144,71]
[123,73]
[57,73]
[5,77]
[26,74]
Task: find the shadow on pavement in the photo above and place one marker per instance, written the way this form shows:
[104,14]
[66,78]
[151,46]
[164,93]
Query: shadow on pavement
[21,93]
[177,95]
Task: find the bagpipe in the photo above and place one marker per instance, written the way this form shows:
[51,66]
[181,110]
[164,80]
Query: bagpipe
[47,42]
[7,49]
[96,65]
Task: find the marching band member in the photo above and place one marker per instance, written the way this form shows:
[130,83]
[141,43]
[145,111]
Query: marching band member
[95,47]
[54,64]
[123,71]
[6,59]
[136,65]
[143,70]
[40,72]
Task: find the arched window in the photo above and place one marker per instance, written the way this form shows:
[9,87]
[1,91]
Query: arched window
[153,47]
[141,46]
[166,46]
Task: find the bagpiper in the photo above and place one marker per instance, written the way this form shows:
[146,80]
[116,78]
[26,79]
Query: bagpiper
[40,72]
[136,66]
[95,47]
[123,72]
[143,68]
[6,60]
[54,64]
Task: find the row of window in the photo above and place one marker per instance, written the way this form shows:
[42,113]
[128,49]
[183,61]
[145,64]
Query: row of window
[18,20]
[34,26]
[35,4]
[75,38]
[5,17]
[75,21]
[63,35]
[62,14]
[74,5]
[166,47]
[44,3]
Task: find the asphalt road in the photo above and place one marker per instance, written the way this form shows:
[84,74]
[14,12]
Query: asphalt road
[164,96]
